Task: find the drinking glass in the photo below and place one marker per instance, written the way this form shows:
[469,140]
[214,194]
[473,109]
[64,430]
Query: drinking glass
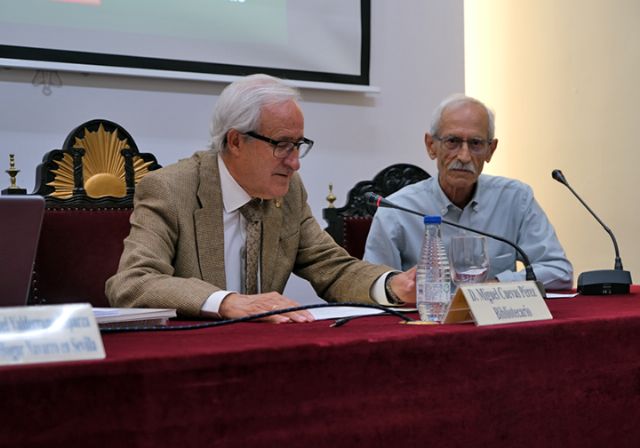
[469,259]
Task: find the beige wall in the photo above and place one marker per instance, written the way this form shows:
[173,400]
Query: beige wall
[562,76]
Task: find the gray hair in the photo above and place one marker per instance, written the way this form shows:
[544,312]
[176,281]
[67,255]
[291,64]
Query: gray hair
[240,105]
[456,100]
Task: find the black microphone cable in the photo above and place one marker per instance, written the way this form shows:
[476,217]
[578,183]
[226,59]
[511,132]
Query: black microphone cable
[252,317]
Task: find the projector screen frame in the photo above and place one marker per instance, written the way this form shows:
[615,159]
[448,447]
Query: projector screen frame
[53,59]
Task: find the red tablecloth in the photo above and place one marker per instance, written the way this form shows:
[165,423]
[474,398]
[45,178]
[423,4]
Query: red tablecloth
[570,381]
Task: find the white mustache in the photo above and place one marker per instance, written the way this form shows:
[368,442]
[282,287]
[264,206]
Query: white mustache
[458,165]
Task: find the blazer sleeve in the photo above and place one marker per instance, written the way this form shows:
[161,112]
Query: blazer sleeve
[334,274]
[145,276]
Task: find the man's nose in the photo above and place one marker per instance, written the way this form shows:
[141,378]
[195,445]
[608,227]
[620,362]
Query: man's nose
[464,155]
[292,160]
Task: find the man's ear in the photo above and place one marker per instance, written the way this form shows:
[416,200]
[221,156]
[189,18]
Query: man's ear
[233,141]
[492,148]
[429,141]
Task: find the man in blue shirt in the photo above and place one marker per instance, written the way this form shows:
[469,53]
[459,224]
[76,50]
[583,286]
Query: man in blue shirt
[461,139]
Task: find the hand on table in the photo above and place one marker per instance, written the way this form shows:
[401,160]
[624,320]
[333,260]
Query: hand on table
[239,305]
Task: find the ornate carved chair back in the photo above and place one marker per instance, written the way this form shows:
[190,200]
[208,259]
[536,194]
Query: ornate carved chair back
[98,166]
[88,187]
[349,225]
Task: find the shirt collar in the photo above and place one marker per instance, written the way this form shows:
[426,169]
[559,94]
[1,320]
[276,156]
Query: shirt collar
[233,195]
[445,204]
[475,200]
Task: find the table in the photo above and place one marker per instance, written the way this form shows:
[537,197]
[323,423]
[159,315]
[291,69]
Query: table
[570,381]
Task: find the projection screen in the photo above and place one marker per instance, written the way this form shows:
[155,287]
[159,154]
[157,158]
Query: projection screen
[323,41]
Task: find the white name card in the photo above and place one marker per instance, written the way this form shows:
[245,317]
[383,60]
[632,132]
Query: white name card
[497,303]
[51,333]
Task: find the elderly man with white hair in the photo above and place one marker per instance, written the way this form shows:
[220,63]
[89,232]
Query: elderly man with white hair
[218,234]
[461,140]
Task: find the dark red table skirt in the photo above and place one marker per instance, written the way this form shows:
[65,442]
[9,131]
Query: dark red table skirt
[571,381]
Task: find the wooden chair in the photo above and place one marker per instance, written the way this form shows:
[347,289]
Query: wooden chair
[349,225]
[88,187]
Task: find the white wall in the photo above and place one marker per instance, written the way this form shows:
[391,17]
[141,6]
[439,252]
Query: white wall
[416,60]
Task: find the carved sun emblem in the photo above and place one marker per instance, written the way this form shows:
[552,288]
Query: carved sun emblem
[102,166]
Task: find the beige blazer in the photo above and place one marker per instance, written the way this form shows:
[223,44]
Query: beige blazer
[174,254]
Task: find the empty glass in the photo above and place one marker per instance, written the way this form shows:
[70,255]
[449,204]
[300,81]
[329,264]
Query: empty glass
[469,259]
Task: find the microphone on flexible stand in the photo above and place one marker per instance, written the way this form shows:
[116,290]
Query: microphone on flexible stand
[378,201]
[602,282]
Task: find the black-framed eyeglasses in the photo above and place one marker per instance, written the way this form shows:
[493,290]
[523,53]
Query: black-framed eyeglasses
[453,143]
[282,148]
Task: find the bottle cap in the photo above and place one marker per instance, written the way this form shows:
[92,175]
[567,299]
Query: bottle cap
[432,219]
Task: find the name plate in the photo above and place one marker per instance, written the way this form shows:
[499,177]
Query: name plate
[497,303]
[51,333]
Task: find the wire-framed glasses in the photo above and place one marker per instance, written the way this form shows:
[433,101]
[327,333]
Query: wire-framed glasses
[454,143]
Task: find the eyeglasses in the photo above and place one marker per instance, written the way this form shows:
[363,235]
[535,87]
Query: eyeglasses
[453,143]
[282,148]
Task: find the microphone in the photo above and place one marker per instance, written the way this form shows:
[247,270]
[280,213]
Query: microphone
[378,201]
[601,282]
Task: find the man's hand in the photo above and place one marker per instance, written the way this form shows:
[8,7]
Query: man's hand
[239,305]
[404,285]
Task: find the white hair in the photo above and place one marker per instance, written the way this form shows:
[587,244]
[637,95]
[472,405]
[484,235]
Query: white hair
[240,105]
[455,100]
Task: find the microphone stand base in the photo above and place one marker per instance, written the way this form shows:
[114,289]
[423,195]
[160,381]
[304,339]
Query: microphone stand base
[604,282]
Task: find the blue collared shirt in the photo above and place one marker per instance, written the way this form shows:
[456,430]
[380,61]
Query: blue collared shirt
[501,206]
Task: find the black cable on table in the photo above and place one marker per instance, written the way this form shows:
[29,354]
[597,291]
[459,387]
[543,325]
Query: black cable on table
[252,317]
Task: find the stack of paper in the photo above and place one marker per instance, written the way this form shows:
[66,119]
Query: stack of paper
[118,317]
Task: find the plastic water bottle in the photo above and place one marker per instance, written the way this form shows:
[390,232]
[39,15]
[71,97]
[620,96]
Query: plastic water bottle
[433,278]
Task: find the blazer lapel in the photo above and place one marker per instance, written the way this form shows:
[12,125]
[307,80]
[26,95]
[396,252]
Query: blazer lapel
[209,226]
